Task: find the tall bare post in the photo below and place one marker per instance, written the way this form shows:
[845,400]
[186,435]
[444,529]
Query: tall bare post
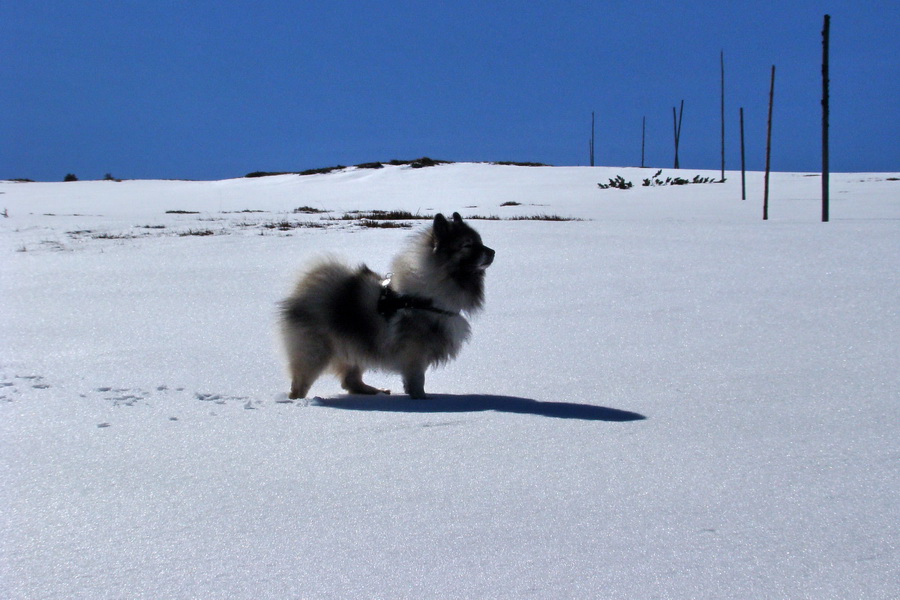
[643,139]
[769,147]
[743,161]
[825,82]
[675,126]
[722,70]
[676,118]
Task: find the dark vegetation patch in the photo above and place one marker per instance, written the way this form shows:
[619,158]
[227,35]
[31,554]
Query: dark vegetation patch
[656,181]
[511,204]
[373,219]
[255,174]
[400,218]
[182,212]
[286,225]
[322,171]
[423,162]
[544,218]
[420,163]
[383,224]
[112,236]
[416,163]
[401,215]
[617,183]
[383,215]
[522,218]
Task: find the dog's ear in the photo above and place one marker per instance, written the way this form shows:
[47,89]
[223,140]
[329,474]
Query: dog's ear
[441,227]
[456,218]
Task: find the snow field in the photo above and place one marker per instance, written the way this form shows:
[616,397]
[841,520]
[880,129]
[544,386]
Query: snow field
[667,399]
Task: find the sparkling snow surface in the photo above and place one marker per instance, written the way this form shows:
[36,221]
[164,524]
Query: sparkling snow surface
[668,399]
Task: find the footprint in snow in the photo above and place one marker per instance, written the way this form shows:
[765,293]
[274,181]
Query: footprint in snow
[225,399]
[11,386]
[123,396]
[37,381]
[282,398]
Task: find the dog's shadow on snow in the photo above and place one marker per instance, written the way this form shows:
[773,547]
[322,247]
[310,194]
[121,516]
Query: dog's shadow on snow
[450,403]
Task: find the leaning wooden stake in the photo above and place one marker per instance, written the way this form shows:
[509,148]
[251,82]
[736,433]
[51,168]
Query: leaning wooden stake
[722,66]
[676,118]
[643,139]
[825,116]
[592,138]
[769,147]
[743,162]
[675,126]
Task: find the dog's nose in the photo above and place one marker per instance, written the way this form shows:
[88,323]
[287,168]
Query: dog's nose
[488,256]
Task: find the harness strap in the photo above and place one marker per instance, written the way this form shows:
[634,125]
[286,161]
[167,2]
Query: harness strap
[389,302]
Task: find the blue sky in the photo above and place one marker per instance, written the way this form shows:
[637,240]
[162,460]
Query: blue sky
[216,89]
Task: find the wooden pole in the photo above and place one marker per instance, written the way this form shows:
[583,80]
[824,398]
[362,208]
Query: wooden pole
[677,123]
[743,162]
[722,69]
[643,139]
[825,117]
[675,126]
[769,147]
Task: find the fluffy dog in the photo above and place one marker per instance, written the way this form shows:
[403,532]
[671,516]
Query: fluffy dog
[347,319]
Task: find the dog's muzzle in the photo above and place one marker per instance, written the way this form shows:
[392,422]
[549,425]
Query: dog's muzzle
[487,257]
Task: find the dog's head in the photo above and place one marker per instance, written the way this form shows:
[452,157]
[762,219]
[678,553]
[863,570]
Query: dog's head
[459,246]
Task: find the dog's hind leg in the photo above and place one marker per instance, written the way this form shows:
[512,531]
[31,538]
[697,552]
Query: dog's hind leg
[302,377]
[351,380]
[306,363]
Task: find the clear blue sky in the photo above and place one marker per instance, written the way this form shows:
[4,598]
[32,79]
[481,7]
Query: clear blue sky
[214,89]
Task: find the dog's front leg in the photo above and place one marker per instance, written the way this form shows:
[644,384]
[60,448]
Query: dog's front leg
[414,382]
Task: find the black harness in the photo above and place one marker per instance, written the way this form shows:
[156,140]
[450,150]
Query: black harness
[389,302]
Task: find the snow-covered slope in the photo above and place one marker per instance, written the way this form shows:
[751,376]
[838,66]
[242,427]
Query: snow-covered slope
[668,398]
